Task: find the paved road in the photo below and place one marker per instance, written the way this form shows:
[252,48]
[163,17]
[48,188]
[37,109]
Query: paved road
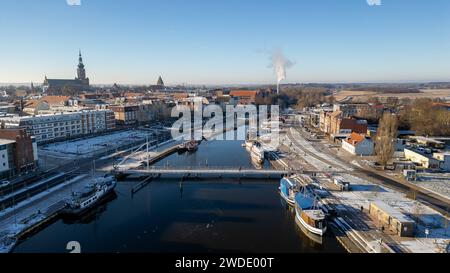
[438,202]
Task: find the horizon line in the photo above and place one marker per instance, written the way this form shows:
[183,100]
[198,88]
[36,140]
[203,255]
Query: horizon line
[28,83]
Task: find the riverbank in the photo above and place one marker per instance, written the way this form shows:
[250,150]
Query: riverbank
[36,212]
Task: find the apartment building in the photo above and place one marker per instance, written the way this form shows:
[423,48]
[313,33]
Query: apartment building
[47,128]
[351,109]
[125,114]
[18,152]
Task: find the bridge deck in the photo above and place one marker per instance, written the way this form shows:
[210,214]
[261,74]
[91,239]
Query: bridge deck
[206,172]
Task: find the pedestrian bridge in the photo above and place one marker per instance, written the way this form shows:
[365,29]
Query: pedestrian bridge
[208,172]
[203,172]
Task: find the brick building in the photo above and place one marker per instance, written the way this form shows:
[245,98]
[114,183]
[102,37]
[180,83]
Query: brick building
[244,97]
[334,123]
[18,152]
[125,114]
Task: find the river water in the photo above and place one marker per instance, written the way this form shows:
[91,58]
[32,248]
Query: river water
[170,216]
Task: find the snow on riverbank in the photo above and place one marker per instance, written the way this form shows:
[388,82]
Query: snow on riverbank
[364,192]
[29,212]
[88,146]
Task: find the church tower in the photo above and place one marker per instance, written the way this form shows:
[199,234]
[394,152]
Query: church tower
[81,72]
[160,82]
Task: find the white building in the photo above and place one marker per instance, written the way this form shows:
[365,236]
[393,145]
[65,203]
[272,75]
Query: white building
[422,158]
[5,160]
[444,160]
[17,156]
[358,144]
[63,125]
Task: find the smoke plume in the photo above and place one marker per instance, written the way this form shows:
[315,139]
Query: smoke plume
[280,64]
[73,2]
[374,2]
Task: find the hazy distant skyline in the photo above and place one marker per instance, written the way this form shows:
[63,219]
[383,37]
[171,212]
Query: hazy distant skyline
[225,41]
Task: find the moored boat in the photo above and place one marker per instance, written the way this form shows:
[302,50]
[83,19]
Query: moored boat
[287,191]
[309,215]
[82,201]
[249,144]
[257,153]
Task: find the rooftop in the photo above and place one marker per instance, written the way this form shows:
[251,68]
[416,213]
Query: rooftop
[244,93]
[55,99]
[423,152]
[427,139]
[392,212]
[18,118]
[6,141]
[355,139]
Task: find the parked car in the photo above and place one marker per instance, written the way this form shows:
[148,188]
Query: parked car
[4,184]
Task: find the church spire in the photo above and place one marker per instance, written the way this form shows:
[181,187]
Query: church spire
[81,72]
[80,58]
[160,82]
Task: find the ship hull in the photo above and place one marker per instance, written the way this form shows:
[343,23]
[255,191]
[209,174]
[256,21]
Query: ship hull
[257,159]
[308,227]
[248,145]
[291,202]
[81,211]
[285,187]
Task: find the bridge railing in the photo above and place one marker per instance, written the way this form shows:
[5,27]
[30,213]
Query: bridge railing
[200,168]
[165,167]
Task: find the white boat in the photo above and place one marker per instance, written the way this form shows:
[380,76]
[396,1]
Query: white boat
[309,215]
[257,153]
[90,196]
[270,126]
[249,145]
[287,191]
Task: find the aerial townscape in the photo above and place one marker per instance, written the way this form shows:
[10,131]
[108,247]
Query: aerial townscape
[358,165]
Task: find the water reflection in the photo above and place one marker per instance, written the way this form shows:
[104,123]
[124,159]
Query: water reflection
[217,215]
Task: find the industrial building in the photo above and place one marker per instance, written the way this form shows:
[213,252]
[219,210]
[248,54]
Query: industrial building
[391,220]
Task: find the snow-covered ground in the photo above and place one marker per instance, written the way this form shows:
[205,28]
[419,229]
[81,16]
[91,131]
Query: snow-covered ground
[31,211]
[309,147]
[134,160]
[435,182]
[364,192]
[89,146]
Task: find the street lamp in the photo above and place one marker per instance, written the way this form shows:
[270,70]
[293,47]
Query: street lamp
[14,205]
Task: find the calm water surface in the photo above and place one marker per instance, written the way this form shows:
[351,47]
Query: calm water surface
[191,216]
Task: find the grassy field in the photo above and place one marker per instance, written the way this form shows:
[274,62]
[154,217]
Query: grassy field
[362,96]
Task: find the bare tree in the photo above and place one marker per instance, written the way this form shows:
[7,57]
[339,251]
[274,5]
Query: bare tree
[386,138]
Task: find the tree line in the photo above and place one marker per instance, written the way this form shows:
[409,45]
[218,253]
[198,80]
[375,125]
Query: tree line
[304,96]
[425,117]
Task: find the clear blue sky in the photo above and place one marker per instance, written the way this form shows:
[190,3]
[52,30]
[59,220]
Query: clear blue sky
[225,41]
